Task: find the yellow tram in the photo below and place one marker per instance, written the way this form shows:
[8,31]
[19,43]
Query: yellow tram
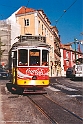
[29,64]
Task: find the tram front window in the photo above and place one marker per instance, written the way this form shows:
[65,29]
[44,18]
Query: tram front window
[34,59]
[45,57]
[22,57]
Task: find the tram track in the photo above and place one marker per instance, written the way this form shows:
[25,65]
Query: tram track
[53,111]
[43,112]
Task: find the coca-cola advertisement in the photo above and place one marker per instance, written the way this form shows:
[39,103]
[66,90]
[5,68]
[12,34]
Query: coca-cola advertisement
[27,73]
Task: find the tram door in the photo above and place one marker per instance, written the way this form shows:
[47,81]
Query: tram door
[14,67]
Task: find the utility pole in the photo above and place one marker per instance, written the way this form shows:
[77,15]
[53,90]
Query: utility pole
[78,42]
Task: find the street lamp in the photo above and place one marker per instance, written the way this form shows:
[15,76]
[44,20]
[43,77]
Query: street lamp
[75,41]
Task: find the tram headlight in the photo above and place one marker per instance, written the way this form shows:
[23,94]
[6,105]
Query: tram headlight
[34,78]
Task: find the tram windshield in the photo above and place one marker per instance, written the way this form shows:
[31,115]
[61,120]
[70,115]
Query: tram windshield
[23,57]
[34,59]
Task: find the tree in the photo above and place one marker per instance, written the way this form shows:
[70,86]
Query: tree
[1,51]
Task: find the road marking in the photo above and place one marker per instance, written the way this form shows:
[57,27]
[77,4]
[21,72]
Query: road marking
[75,95]
[66,88]
[52,88]
[69,89]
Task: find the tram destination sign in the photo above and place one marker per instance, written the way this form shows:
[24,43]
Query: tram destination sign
[34,53]
[33,38]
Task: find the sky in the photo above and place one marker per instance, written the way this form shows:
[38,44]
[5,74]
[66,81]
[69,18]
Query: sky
[68,23]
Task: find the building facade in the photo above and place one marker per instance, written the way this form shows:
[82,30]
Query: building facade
[5,41]
[57,53]
[68,57]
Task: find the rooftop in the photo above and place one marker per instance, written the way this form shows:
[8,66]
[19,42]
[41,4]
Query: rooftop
[25,10]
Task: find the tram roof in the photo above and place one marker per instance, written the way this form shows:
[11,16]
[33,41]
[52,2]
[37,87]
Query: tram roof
[30,44]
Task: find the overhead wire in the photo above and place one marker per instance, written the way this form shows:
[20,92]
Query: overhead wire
[27,3]
[65,11]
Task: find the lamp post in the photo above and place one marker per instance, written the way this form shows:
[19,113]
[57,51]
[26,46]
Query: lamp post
[75,41]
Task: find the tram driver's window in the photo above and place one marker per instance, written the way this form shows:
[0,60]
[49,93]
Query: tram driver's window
[22,57]
[45,58]
[34,59]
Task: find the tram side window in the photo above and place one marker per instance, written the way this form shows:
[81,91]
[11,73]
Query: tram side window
[22,57]
[34,57]
[45,57]
[15,59]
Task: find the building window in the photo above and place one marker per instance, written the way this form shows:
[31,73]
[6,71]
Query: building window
[38,23]
[26,22]
[51,38]
[67,63]
[67,55]
[47,32]
[42,27]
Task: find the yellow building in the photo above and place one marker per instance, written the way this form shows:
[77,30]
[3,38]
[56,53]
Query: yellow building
[36,22]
